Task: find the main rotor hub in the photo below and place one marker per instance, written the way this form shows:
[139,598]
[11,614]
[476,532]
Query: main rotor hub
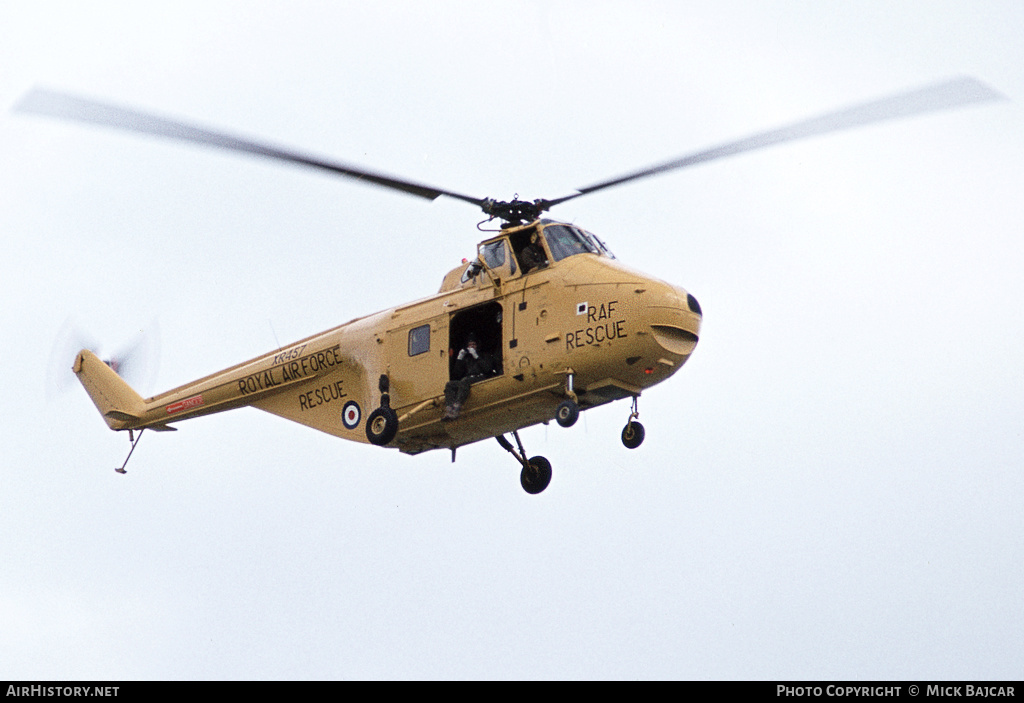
[516,211]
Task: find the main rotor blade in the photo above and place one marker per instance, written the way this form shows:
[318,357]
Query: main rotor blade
[55,104]
[942,96]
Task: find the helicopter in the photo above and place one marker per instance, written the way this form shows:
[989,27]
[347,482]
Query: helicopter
[565,326]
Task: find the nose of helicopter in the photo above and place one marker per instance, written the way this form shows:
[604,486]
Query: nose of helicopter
[674,317]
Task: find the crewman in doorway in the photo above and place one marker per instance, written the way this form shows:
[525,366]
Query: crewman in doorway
[471,365]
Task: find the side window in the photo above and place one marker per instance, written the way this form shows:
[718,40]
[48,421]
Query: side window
[493,254]
[419,340]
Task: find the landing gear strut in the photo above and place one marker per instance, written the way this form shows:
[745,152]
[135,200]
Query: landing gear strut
[568,411]
[536,473]
[134,442]
[633,433]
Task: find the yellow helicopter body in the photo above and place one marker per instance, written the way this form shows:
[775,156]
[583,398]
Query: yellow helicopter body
[583,327]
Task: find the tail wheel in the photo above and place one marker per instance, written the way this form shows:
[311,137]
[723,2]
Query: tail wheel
[633,434]
[567,413]
[381,426]
[536,477]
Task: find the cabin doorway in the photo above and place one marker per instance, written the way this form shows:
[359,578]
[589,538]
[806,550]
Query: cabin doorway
[483,320]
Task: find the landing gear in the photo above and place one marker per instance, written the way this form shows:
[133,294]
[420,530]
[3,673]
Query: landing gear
[134,442]
[536,473]
[382,425]
[633,433]
[567,413]
[536,477]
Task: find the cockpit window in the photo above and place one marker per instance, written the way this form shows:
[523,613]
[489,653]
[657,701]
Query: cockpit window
[601,245]
[493,254]
[564,241]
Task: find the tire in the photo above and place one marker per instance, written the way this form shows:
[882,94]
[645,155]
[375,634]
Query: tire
[633,435]
[537,477]
[567,413]
[381,426]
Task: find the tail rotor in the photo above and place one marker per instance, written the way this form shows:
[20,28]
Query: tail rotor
[136,361]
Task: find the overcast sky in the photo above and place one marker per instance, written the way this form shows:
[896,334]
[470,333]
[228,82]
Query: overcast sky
[830,488]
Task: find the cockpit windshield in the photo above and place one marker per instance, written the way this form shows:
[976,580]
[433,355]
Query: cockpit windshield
[566,240]
[601,245]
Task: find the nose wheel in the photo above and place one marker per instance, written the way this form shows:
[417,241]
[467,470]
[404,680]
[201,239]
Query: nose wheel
[633,433]
[536,473]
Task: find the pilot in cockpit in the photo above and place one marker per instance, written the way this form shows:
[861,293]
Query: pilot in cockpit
[532,256]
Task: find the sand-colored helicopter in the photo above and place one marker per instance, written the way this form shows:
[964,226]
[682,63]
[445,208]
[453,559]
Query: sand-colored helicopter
[566,326]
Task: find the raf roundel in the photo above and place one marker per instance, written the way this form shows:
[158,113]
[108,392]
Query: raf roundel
[350,415]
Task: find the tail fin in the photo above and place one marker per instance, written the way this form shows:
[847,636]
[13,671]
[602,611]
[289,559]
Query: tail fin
[120,406]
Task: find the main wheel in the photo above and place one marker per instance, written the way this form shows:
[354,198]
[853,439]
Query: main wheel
[381,426]
[536,477]
[567,413]
[633,434]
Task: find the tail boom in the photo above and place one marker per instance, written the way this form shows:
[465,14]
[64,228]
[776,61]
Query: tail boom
[242,385]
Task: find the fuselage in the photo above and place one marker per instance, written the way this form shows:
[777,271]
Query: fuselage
[578,323]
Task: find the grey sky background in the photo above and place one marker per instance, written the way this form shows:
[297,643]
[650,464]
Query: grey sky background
[830,488]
